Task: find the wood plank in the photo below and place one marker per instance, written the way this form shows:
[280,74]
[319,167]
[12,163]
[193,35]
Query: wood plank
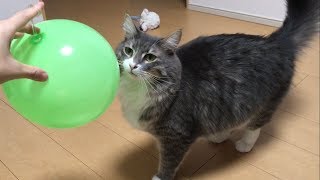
[31,155]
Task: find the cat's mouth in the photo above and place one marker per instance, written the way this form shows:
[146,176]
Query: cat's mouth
[133,74]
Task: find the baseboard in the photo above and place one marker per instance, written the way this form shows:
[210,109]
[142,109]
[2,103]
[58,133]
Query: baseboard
[234,15]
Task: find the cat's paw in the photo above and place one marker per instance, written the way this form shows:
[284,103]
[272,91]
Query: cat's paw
[155,178]
[218,141]
[243,146]
[219,138]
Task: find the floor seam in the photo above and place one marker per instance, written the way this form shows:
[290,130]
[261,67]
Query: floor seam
[9,169]
[152,154]
[155,157]
[128,140]
[203,165]
[58,144]
[307,119]
[48,135]
[25,118]
[262,169]
[307,75]
[74,156]
[290,143]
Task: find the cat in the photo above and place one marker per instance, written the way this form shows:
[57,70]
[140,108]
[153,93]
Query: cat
[211,85]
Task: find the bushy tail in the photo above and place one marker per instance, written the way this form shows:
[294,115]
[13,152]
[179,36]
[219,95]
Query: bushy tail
[301,23]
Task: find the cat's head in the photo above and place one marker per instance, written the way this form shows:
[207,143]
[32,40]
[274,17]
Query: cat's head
[150,59]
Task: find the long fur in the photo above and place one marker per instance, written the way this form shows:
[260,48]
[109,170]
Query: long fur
[211,85]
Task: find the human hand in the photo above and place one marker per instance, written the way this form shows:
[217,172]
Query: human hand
[15,27]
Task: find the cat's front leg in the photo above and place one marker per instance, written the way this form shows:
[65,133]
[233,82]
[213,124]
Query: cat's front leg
[172,151]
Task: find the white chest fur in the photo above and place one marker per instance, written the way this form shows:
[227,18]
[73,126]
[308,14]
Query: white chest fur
[134,98]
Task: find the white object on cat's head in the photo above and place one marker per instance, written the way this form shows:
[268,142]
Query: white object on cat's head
[155,178]
[145,12]
[149,20]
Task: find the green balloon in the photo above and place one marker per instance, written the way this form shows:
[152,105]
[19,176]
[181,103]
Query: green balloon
[83,75]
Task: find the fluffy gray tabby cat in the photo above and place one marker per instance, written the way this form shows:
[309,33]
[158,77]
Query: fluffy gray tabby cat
[210,86]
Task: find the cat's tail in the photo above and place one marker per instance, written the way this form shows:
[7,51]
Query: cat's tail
[301,23]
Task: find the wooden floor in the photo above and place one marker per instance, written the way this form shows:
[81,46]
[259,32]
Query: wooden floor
[108,148]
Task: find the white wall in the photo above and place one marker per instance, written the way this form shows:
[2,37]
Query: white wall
[268,9]
[9,7]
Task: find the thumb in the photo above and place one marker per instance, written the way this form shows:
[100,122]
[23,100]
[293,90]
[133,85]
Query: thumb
[17,70]
[33,73]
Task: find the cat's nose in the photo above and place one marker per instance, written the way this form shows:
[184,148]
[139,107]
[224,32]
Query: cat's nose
[133,66]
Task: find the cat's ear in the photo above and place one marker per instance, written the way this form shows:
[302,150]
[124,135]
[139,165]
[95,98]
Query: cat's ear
[172,41]
[145,12]
[129,27]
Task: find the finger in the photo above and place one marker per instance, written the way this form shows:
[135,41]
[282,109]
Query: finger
[19,70]
[28,29]
[21,18]
[33,73]
[18,35]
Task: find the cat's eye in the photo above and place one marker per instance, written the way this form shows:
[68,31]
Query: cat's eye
[150,57]
[128,51]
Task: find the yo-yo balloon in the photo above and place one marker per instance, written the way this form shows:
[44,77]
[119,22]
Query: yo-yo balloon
[83,75]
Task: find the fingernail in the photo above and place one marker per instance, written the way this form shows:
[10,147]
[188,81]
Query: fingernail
[43,76]
[40,4]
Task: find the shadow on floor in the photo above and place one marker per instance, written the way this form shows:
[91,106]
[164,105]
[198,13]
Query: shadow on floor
[137,165]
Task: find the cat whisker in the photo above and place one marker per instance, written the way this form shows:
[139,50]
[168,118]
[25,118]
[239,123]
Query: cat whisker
[153,82]
[156,77]
[151,85]
[146,81]
[163,83]
[145,85]
[159,91]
